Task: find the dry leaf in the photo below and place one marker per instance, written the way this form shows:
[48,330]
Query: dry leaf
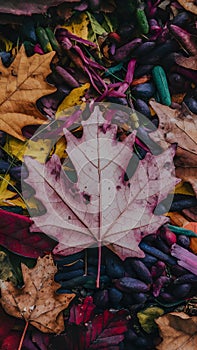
[181,128]
[189,175]
[175,127]
[178,330]
[37,301]
[7,197]
[22,84]
[189,5]
[102,207]
[187,62]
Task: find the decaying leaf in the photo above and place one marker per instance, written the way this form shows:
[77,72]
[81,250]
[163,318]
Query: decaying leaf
[6,269]
[9,197]
[23,7]
[178,330]
[189,5]
[188,175]
[187,62]
[175,127]
[37,301]
[102,208]
[180,128]
[22,84]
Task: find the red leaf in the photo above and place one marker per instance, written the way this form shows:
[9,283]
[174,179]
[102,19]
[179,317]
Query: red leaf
[6,324]
[82,313]
[15,236]
[11,341]
[106,331]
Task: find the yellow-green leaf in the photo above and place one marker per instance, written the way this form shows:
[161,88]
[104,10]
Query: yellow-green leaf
[147,318]
[73,99]
[79,26]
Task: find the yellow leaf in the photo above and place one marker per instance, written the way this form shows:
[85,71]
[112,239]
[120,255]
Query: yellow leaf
[60,148]
[184,188]
[22,84]
[37,149]
[79,26]
[7,197]
[15,147]
[73,99]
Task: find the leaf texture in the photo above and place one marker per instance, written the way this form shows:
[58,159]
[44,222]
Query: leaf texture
[37,302]
[102,207]
[22,84]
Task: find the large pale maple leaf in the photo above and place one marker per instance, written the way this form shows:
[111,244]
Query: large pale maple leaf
[102,207]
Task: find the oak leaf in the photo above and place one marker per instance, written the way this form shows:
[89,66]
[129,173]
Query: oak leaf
[102,208]
[22,84]
[178,330]
[37,301]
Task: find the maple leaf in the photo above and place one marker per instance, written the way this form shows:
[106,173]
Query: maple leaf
[178,330]
[22,84]
[37,301]
[15,236]
[102,208]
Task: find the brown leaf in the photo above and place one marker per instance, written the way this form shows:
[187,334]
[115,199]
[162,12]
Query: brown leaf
[175,127]
[37,301]
[22,84]
[178,127]
[178,330]
[187,62]
[188,175]
[24,7]
[189,5]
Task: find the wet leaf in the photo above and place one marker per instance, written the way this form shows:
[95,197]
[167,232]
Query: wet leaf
[22,84]
[37,301]
[178,330]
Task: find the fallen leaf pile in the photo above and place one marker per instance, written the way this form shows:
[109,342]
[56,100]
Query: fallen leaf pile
[98,175]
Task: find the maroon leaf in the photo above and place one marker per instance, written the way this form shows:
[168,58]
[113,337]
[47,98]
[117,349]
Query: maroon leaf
[15,236]
[106,331]
[82,313]
[6,324]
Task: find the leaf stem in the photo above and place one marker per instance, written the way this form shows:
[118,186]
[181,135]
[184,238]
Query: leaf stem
[23,336]
[99,265]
